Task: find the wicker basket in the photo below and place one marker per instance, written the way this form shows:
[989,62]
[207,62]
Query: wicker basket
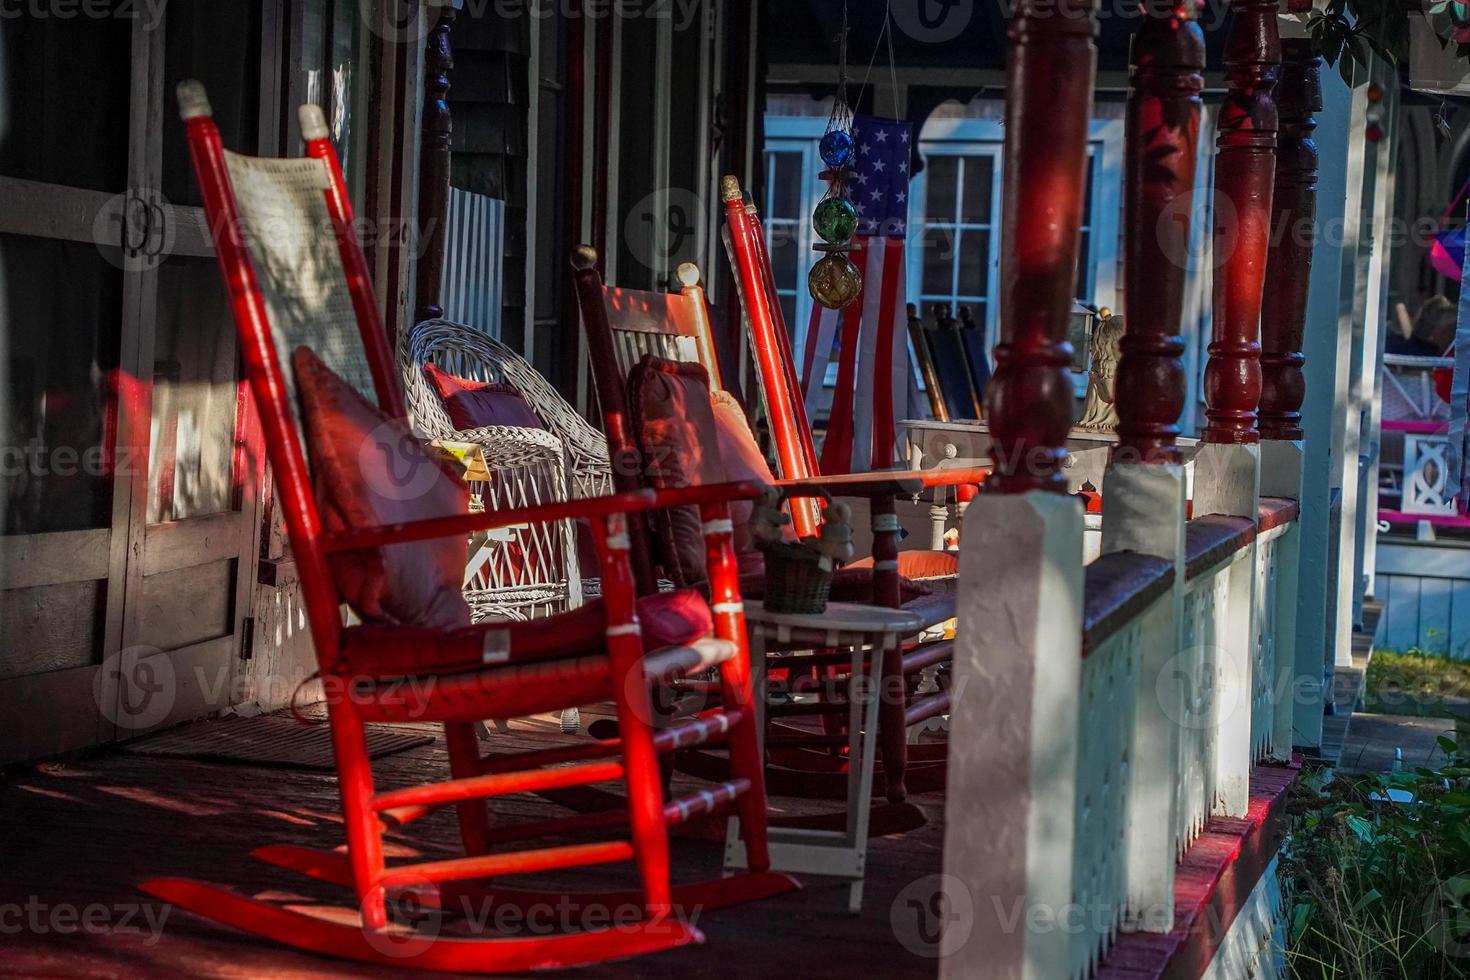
[798,578]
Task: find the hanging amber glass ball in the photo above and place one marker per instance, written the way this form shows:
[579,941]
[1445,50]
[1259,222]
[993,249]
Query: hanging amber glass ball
[836,148]
[835,220]
[834,281]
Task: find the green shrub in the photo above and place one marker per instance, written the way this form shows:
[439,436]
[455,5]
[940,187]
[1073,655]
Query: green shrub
[1417,683]
[1376,873]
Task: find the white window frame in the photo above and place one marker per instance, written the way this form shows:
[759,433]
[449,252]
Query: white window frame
[960,137]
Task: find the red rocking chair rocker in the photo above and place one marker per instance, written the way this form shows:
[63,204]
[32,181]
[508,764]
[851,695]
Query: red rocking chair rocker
[606,650]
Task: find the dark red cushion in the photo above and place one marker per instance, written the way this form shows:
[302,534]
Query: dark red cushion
[668,619]
[474,404]
[674,424]
[369,470]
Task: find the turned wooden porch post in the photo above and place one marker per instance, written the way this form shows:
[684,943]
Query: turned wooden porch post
[1289,268]
[1244,173]
[434,158]
[1144,488]
[1162,135]
[1049,79]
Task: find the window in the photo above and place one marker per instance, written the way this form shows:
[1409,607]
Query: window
[955,222]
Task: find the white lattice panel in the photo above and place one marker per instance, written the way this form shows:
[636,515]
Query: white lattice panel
[1427,487]
[1104,760]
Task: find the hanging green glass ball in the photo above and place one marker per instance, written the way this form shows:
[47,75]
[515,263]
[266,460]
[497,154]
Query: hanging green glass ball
[834,281]
[835,219]
[836,148]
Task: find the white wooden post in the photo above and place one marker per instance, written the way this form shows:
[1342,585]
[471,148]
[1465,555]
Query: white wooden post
[1297,689]
[1337,197]
[1009,833]
[1227,480]
[1143,511]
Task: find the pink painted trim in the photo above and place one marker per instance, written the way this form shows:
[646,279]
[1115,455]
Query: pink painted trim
[1439,520]
[1416,426]
[1212,883]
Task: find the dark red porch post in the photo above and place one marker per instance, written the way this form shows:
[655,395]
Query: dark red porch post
[1162,135]
[1049,81]
[434,154]
[1245,169]
[1289,268]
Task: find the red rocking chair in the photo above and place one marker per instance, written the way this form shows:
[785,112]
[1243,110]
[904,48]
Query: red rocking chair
[607,650]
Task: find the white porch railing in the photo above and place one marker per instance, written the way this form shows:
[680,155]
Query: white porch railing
[1104,716]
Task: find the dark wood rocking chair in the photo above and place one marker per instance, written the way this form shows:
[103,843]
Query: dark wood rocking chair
[492,670]
[622,327]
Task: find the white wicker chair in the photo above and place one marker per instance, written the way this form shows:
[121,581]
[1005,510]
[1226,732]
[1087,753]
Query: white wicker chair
[468,353]
[531,571]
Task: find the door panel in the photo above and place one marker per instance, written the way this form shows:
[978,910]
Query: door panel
[69,295]
[194,514]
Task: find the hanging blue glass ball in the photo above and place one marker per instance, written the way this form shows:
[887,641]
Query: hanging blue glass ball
[836,148]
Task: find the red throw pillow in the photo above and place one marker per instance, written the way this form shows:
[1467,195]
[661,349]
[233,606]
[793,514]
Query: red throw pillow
[674,424]
[370,470]
[474,404]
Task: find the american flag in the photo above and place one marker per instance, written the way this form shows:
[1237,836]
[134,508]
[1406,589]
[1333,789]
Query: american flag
[869,337]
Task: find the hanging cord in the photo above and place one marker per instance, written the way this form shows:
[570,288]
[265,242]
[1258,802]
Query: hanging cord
[841,116]
[883,35]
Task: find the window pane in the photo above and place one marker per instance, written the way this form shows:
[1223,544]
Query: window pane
[942,175]
[785,185]
[62,302]
[976,204]
[1084,266]
[192,443]
[788,310]
[938,261]
[64,85]
[1087,188]
[974,263]
[785,254]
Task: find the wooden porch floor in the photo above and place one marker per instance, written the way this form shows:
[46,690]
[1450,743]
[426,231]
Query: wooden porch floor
[81,834]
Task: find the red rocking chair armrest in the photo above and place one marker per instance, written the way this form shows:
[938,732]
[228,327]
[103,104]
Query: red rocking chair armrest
[445,527]
[880,483]
[629,502]
[709,493]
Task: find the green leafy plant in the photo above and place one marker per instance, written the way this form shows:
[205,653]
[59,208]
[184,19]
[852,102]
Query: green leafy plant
[1351,32]
[1376,874]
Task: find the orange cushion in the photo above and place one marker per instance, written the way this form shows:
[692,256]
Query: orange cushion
[668,619]
[920,564]
[369,470]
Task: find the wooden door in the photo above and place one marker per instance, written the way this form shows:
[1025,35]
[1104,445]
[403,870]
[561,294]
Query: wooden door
[73,237]
[126,578]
